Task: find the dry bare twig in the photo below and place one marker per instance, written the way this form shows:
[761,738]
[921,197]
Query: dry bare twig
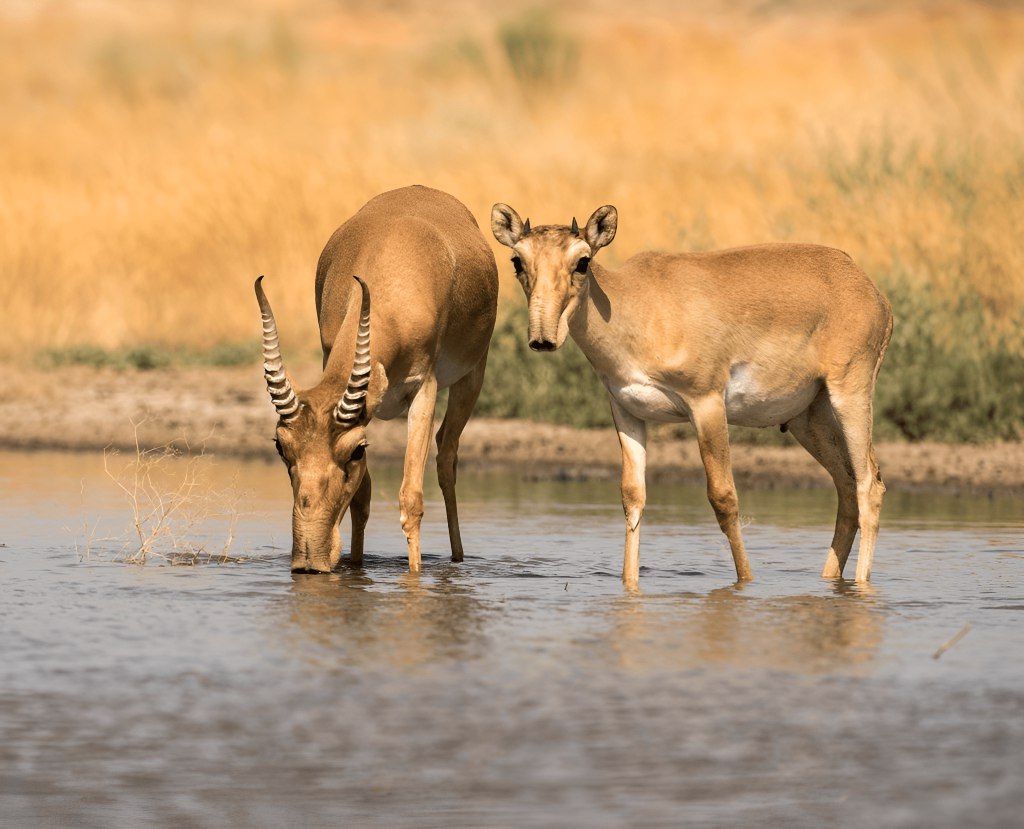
[171,506]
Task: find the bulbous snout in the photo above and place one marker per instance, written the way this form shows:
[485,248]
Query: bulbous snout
[316,544]
[305,567]
[545,320]
[318,559]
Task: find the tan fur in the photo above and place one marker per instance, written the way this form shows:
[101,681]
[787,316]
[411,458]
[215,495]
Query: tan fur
[433,289]
[784,334]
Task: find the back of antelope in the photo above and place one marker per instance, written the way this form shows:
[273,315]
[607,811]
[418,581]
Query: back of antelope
[769,335]
[406,297]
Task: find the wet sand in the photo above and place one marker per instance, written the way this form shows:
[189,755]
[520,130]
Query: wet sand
[226,411]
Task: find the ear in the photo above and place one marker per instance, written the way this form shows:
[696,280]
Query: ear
[506,225]
[601,227]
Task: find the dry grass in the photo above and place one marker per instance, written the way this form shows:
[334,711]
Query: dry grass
[156,156]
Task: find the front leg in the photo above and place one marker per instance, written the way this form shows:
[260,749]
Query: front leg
[632,433]
[708,416]
[410,496]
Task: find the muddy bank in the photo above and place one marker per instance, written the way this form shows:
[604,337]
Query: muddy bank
[227,411]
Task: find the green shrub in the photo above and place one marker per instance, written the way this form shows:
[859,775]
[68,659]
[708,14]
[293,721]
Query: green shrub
[148,356]
[946,375]
[233,354]
[558,387]
[76,355]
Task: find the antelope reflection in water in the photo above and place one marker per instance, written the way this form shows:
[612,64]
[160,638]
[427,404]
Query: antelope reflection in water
[808,634]
[348,617]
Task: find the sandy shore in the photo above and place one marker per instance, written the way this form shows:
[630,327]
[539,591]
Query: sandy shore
[228,412]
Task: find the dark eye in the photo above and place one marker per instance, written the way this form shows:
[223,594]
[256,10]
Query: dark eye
[517,263]
[358,453]
[583,264]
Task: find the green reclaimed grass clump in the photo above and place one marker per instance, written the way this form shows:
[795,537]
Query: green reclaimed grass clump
[556,387]
[149,356]
[948,374]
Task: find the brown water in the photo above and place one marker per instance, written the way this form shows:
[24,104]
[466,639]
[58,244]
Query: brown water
[521,688]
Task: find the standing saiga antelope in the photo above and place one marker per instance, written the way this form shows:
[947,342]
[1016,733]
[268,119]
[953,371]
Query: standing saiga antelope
[416,318]
[784,334]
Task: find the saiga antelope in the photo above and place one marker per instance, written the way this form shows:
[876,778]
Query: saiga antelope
[416,318]
[783,334]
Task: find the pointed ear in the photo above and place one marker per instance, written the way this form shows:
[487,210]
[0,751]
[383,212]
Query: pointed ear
[601,227]
[506,225]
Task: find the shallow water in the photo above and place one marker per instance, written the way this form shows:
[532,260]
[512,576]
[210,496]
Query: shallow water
[522,687]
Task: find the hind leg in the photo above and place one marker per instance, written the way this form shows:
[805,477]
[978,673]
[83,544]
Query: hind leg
[851,402]
[360,512]
[462,398]
[819,433]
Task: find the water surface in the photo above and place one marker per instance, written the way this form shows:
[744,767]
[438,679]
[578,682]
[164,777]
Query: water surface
[522,687]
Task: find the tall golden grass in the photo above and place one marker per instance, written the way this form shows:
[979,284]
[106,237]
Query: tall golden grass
[155,157]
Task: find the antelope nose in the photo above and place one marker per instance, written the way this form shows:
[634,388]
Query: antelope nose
[307,569]
[309,565]
[542,345]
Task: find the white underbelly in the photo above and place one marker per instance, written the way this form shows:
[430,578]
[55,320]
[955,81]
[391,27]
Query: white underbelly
[751,400]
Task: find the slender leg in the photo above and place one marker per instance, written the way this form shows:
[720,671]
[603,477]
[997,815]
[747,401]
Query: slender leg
[461,400]
[819,433]
[410,496]
[360,511]
[854,415]
[708,415]
[633,440]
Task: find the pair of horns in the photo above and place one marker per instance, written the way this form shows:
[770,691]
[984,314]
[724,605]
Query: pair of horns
[349,409]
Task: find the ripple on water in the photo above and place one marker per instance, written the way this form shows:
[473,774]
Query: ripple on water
[525,686]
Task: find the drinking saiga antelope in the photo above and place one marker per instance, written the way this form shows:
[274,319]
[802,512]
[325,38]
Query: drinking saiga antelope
[406,296]
[783,334]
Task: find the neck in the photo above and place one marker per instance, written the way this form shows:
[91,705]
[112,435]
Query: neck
[589,325]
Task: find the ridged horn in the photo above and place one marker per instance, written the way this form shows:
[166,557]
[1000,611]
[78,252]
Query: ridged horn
[281,392]
[350,408]
[575,227]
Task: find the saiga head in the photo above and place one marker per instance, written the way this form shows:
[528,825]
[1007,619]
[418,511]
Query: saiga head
[552,264]
[322,441]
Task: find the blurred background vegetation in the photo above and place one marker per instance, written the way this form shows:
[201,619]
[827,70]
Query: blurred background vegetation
[157,155]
